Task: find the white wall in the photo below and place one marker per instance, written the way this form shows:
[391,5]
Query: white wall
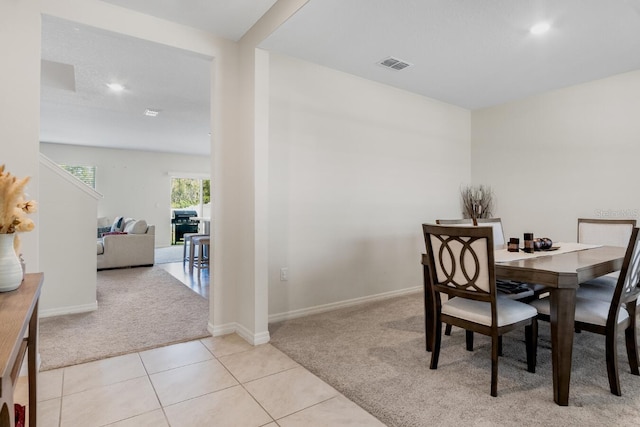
[67,240]
[134,184]
[562,155]
[20,104]
[355,168]
[240,102]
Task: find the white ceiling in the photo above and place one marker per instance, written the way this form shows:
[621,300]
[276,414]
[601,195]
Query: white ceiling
[155,77]
[468,53]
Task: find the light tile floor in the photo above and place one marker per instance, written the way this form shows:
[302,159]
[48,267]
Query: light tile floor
[221,381]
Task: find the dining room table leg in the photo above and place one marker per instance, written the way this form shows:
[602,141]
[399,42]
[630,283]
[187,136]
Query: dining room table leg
[563,304]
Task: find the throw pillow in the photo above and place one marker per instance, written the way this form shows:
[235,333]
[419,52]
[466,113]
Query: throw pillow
[126,222]
[138,227]
[118,224]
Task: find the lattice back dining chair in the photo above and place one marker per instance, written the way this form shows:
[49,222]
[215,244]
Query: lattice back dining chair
[608,318]
[461,265]
[608,232]
[460,222]
[499,243]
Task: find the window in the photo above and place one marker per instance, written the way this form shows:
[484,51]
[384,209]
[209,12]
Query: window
[191,193]
[86,174]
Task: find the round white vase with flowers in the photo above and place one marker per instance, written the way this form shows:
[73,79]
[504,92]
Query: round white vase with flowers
[13,219]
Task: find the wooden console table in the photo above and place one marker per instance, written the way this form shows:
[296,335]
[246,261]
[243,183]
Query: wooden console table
[19,319]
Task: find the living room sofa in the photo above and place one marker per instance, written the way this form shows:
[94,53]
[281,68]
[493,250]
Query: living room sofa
[133,246]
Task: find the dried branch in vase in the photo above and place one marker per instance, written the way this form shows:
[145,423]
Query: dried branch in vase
[14,207]
[477,201]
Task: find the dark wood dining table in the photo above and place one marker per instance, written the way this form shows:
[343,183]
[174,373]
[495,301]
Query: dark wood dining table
[562,274]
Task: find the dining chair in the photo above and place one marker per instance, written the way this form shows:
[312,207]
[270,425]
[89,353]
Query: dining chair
[459,222]
[495,223]
[461,266]
[608,232]
[455,222]
[498,232]
[499,243]
[608,318]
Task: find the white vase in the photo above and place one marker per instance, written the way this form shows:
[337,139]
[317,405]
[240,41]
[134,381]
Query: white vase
[10,268]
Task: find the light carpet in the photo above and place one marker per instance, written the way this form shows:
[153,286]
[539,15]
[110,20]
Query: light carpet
[375,355]
[138,309]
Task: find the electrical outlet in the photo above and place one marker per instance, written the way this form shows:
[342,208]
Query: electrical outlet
[284,274]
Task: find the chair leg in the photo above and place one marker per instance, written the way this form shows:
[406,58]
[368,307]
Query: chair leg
[500,345]
[632,343]
[191,257]
[184,252]
[531,339]
[447,330]
[469,339]
[612,363]
[494,366]
[435,346]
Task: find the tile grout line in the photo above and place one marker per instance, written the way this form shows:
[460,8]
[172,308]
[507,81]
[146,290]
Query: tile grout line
[242,385]
[64,371]
[154,390]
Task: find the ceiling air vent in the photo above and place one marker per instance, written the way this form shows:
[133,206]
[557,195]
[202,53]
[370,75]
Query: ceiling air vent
[394,63]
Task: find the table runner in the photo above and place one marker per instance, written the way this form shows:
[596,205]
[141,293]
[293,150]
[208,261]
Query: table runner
[502,255]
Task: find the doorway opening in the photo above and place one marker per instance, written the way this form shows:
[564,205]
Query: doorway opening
[190,207]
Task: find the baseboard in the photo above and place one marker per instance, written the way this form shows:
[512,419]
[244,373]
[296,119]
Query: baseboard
[251,338]
[218,330]
[340,304]
[230,328]
[75,309]
[264,337]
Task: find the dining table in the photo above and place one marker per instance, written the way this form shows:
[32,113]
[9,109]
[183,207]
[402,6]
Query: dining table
[560,271]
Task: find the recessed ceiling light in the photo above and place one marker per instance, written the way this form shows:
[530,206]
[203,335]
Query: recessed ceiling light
[540,28]
[151,113]
[116,87]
